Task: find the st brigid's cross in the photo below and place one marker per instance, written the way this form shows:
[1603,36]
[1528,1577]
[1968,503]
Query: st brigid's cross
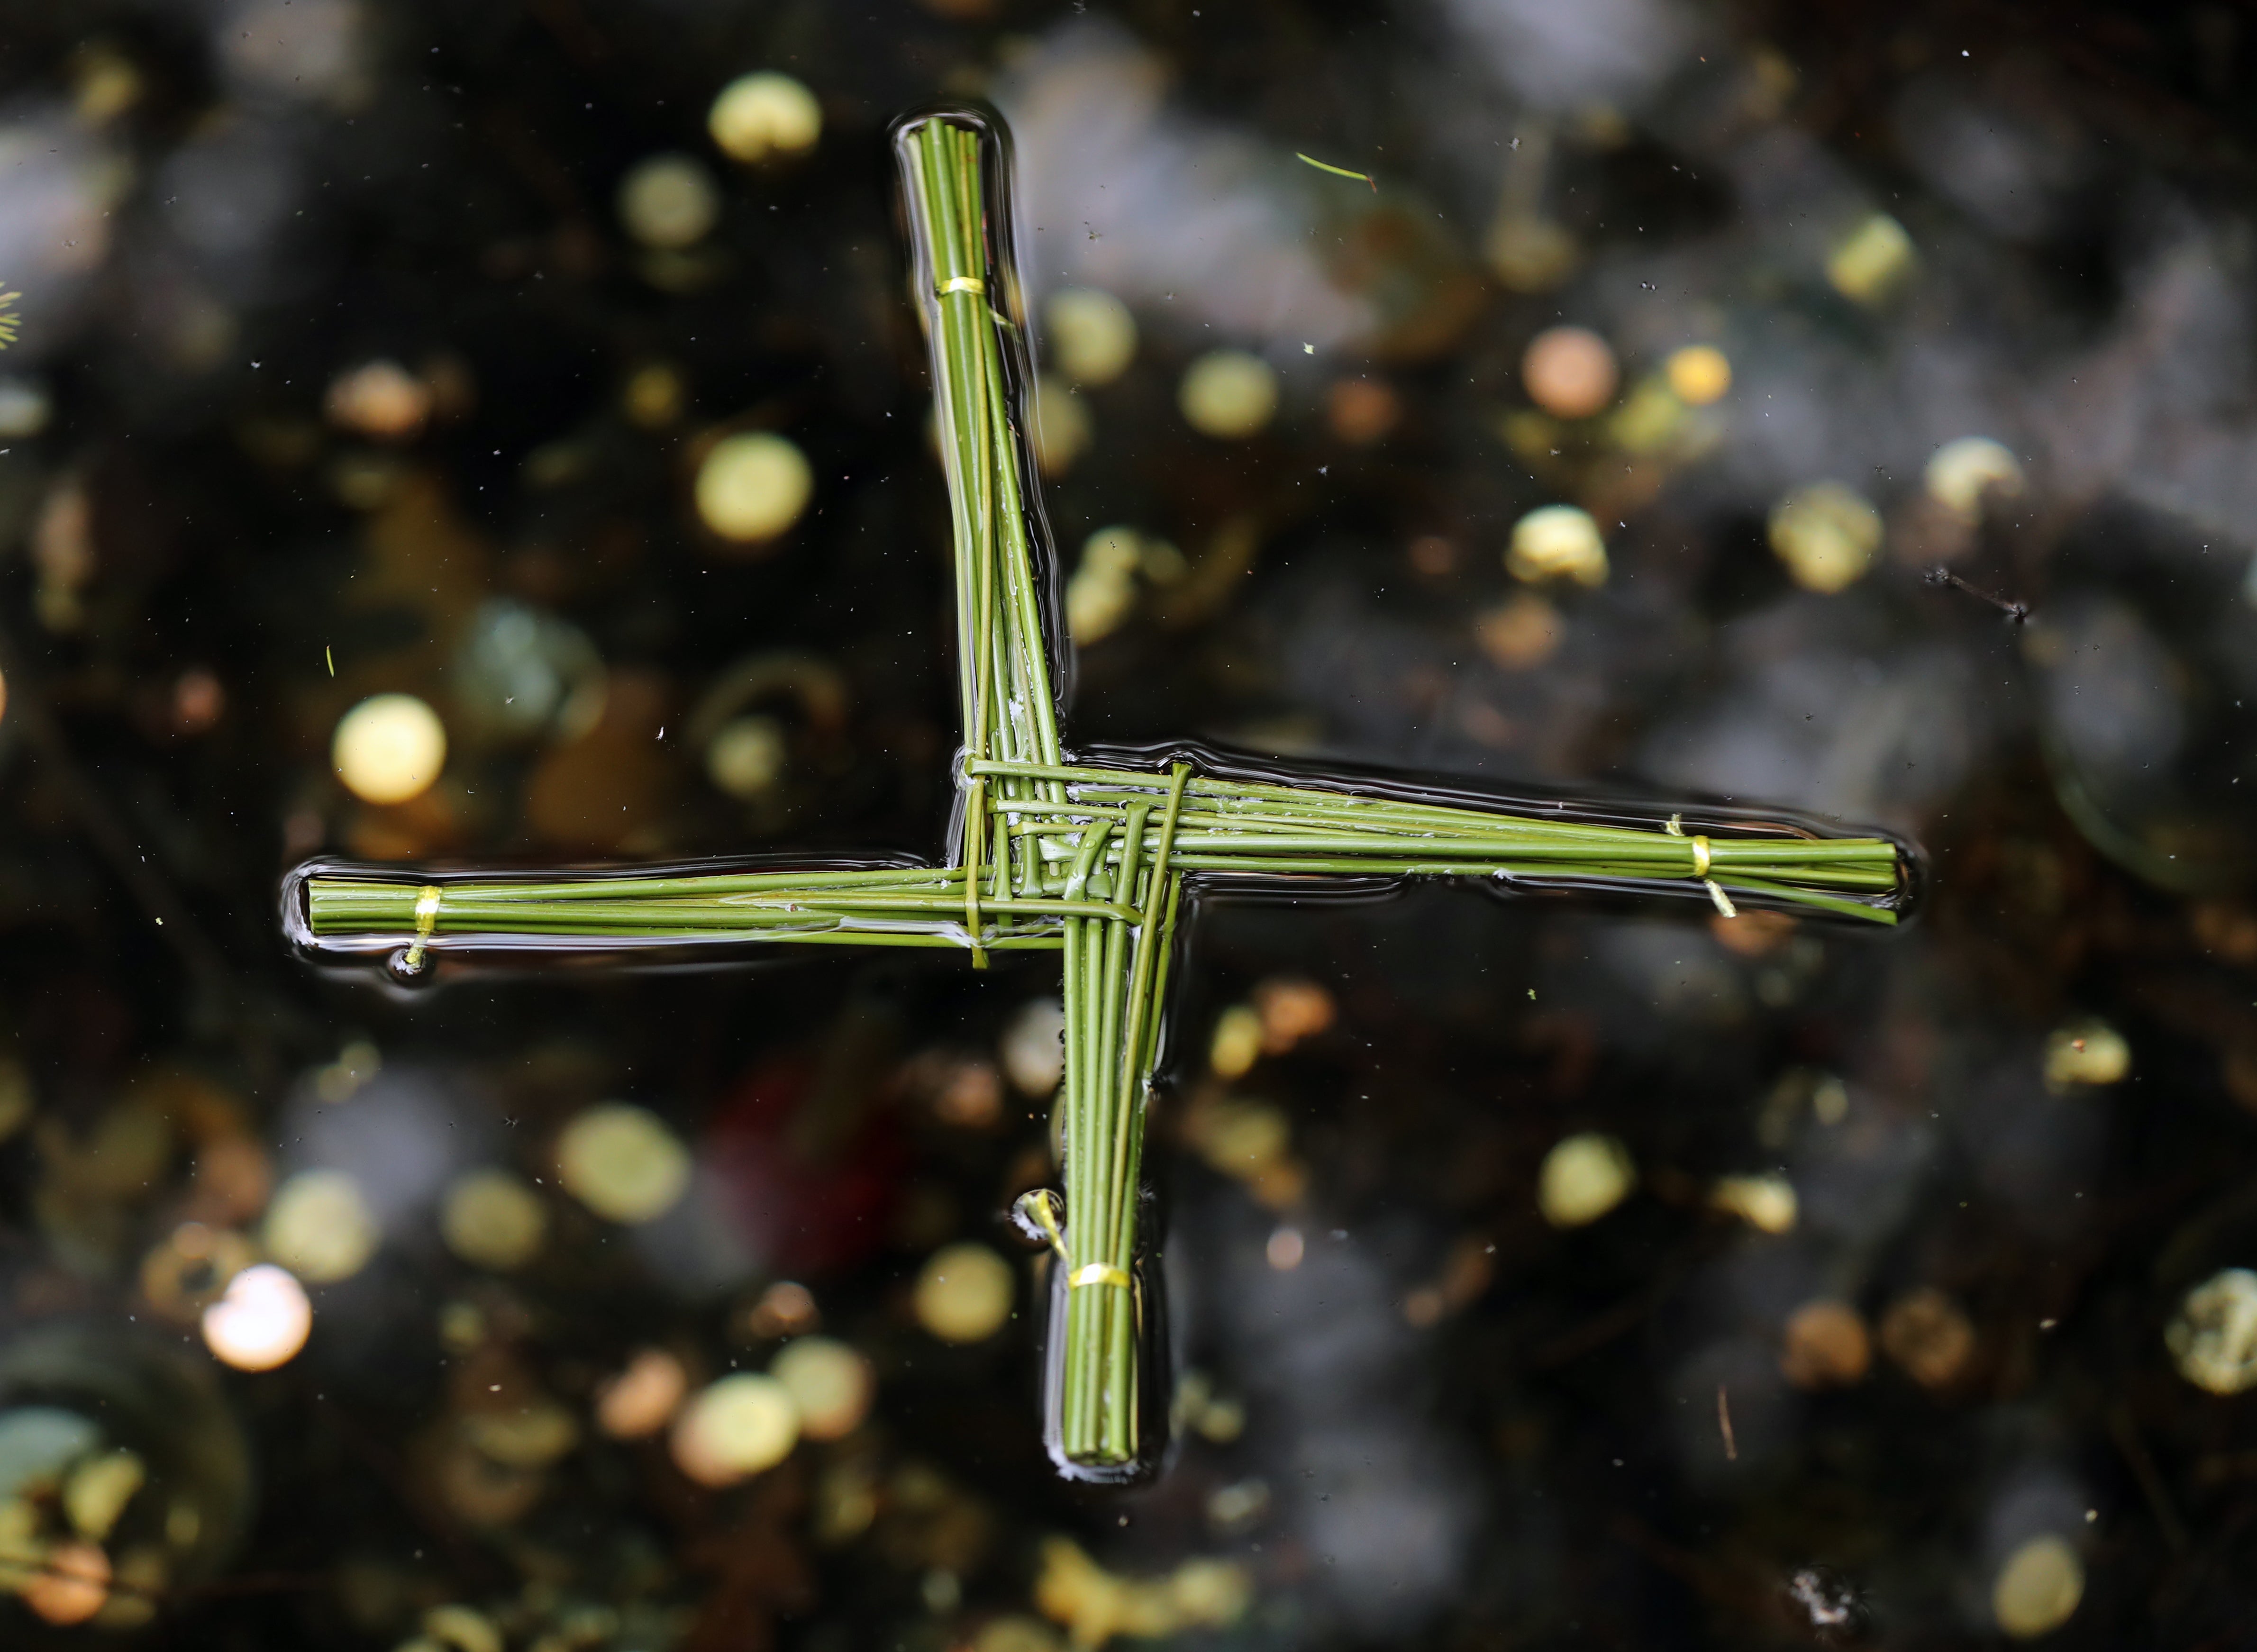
[1052,854]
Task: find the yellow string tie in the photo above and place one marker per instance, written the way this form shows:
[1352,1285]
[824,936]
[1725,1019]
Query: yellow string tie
[426,918]
[962,284]
[1099,1274]
[1676,828]
[1039,1207]
[1700,862]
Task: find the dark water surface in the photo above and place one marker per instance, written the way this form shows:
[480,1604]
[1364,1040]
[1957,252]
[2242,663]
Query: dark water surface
[1542,1272]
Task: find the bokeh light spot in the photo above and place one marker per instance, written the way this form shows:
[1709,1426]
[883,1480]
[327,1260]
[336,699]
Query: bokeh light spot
[1826,534]
[2038,1588]
[1530,254]
[1062,426]
[1520,634]
[1765,1203]
[1699,374]
[2213,1337]
[745,757]
[1871,261]
[736,1428]
[1569,371]
[964,1293]
[72,1586]
[382,400]
[1961,473]
[262,1320]
[1583,1178]
[669,203]
[753,486]
[1927,1334]
[1285,1249]
[99,1490]
[831,1383]
[319,1226]
[2086,1053]
[389,748]
[491,1219]
[759,116]
[1102,593]
[1237,1041]
[1034,1047]
[1825,1346]
[1557,541]
[641,1400]
[1228,394]
[785,1309]
[25,407]
[1092,334]
[653,395]
[622,1162]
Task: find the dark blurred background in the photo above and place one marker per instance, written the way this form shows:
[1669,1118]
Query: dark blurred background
[500,432]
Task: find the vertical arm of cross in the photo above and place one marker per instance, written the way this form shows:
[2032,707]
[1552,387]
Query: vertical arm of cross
[1111,864]
[1114,973]
[956,208]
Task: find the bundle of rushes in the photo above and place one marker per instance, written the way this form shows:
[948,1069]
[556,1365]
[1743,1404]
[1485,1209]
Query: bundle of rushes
[1060,856]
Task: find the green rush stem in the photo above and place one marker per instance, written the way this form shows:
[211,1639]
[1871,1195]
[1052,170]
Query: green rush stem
[1014,664]
[1228,803]
[1223,794]
[938,225]
[1557,867]
[1129,1074]
[1031,659]
[1134,1065]
[1166,952]
[1500,833]
[1003,857]
[950,938]
[1111,1100]
[968,311]
[975,834]
[1085,1222]
[606,887]
[1132,868]
[1519,865]
[992,534]
[1079,1190]
[1663,852]
[1808,898]
[1117,1304]
[1085,996]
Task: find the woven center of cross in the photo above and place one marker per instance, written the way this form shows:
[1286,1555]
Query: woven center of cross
[1055,854]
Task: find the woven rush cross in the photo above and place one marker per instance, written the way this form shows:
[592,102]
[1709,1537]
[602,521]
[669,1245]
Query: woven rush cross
[1096,862]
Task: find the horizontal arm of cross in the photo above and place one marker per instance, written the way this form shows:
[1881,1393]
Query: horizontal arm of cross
[1029,886]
